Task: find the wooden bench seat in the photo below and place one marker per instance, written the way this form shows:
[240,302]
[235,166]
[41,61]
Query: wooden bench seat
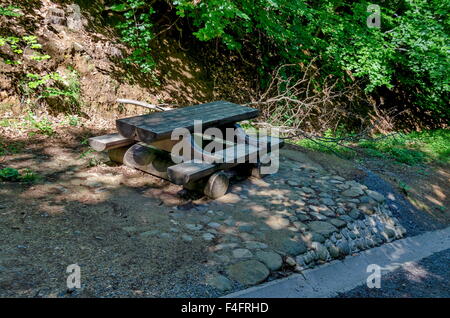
[110,141]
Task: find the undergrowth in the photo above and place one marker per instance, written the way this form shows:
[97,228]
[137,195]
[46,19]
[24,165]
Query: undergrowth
[411,148]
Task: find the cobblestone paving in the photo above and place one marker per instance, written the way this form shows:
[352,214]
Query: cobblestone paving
[288,222]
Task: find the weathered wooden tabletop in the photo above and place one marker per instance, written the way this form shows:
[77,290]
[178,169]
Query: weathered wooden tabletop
[157,126]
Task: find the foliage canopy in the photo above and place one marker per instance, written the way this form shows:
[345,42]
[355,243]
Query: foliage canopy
[407,52]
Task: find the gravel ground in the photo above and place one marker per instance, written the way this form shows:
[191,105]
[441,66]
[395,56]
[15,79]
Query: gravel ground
[429,277]
[414,220]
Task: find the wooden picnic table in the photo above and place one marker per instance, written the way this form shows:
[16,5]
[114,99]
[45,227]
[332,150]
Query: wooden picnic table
[159,126]
[144,142]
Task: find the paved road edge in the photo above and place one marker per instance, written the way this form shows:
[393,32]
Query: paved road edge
[340,276]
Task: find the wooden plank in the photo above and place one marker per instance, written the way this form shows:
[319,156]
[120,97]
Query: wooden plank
[117,154]
[240,153]
[217,185]
[157,126]
[193,170]
[107,142]
[190,171]
[148,159]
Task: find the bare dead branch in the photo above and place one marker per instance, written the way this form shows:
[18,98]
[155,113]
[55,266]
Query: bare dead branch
[158,107]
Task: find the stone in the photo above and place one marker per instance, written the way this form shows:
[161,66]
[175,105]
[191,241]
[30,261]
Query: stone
[325,195]
[334,251]
[323,228]
[208,236]
[299,202]
[293,183]
[321,251]
[303,217]
[352,192]
[130,229]
[355,214]
[242,253]
[223,246]
[214,225]
[249,272]
[75,20]
[307,190]
[349,235]
[291,247]
[318,216]
[344,247]
[205,219]
[277,222]
[77,47]
[401,230]
[186,238]
[378,239]
[300,226]
[230,222]
[327,201]
[194,227]
[255,245]
[219,282]
[360,244]
[247,228]
[316,237]
[290,261]
[338,223]
[309,257]
[165,235]
[328,212]
[366,208]
[271,259]
[353,247]
[376,196]
[246,237]
[345,218]
[149,233]
[221,258]
[366,199]
[389,232]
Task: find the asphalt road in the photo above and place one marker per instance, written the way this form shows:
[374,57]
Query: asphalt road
[430,277]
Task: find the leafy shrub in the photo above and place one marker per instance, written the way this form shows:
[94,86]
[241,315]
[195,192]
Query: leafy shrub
[413,148]
[11,11]
[52,85]
[9,174]
[408,52]
[43,126]
[12,174]
[28,175]
[73,121]
[40,86]
[136,31]
[12,148]
[19,44]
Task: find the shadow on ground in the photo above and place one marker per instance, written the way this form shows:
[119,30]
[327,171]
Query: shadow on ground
[134,236]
